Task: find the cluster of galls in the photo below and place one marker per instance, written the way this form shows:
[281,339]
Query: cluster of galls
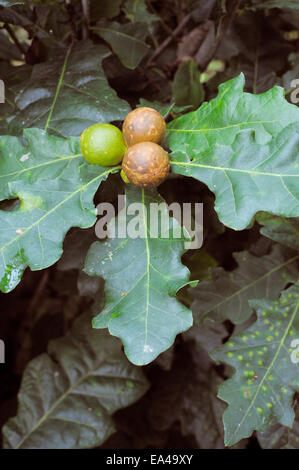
[144,162]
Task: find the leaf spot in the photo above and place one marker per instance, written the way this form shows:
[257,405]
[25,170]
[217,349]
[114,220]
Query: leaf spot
[24,157]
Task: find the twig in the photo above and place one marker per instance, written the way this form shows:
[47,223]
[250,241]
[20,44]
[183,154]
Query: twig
[179,12]
[14,38]
[169,39]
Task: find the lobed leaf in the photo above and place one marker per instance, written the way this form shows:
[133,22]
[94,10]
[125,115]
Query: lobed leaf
[55,189]
[266,377]
[226,296]
[68,93]
[67,396]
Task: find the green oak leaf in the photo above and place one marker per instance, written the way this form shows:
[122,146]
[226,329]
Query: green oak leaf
[142,277]
[126,40]
[68,93]
[67,396]
[266,376]
[55,188]
[226,296]
[280,229]
[242,146]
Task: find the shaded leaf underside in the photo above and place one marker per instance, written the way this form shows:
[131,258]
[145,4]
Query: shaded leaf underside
[67,396]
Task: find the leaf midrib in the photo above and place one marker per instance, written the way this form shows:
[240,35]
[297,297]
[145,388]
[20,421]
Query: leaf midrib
[59,85]
[245,123]
[147,270]
[236,170]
